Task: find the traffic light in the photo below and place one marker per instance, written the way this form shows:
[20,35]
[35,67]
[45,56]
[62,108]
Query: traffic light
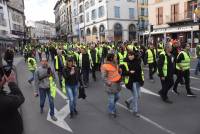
[151,28]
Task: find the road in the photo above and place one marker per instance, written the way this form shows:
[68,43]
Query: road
[181,117]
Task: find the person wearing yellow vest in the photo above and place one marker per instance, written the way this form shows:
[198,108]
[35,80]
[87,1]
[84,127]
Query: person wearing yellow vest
[93,52]
[133,79]
[43,85]
[85,64]
[112,79]
[183,70]
[32,65]
[160,47]
[165,72]
[71,76]
[59,63]
[151,61]
[198,59]
[121,55]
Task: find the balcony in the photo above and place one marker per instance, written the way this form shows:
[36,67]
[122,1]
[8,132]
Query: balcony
[3,23]
[176,18]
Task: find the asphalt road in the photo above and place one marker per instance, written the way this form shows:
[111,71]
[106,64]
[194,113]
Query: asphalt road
[181,117]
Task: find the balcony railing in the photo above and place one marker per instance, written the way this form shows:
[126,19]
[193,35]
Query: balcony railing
[179,17]
[3,22]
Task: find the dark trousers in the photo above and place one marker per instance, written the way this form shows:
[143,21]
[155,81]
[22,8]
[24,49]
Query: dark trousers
[43,93]
[94,68]
[85,74]
[166,85]
[152,69]
[60,77]
[183,74]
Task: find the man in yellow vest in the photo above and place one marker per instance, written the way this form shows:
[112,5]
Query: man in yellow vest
[183,70]
[151,61]
[43,85]
[165,72]
[59,63]
[32,65]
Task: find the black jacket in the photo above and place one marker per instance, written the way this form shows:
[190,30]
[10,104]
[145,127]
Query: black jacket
[10,119]
[71,80]
[134,65]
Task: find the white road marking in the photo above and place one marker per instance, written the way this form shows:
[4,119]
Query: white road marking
[150,121]
[61,115]
[194,88]
[194,78]
[146,91]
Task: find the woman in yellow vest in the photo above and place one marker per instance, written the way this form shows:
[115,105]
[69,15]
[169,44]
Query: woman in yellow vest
[183,70]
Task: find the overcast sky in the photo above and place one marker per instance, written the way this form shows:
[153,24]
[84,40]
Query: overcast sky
[40,10]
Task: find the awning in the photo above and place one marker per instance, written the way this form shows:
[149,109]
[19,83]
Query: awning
[173,30]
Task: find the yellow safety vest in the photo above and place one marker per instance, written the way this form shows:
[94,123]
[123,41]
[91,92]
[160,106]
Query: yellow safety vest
[185,64]
[30,66]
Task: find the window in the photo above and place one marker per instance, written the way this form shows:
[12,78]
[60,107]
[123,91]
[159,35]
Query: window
[81,19]
[87,5]
[92,2]
[80,8]
[174,13]
[94,14]
[87,17]
[131,13]
[159,16]
[117,12]
[101,11]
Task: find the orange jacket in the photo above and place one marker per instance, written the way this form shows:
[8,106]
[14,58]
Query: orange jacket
[112,72]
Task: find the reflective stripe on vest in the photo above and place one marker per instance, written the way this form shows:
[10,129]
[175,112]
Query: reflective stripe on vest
[150,56]
[30,66]
[52,87]
[164,69]
[122,57]
[56,61]
[185,64]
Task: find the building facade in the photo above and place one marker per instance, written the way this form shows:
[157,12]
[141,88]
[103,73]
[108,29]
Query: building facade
[174,19]
[63,21]
[4,20]
[105,20]
[17,20]
[41,30]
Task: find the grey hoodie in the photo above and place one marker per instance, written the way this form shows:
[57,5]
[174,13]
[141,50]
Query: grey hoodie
[42,78]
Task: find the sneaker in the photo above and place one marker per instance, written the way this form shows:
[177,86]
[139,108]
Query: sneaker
[136,114]
[127,104]
[54,118]
[168,101]
[36,94]
[41,110]
[113,115]
[191,95]
[29,81]
[152,80]
[75,112]
[175,91]
[71,115]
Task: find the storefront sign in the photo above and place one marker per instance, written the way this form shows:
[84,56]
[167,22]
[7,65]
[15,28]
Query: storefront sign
[174,30]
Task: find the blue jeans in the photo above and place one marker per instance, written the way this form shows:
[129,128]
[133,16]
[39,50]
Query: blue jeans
[33,75]
[112,98]
[43,92]
[135,98]
[72,92]
[197,67]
